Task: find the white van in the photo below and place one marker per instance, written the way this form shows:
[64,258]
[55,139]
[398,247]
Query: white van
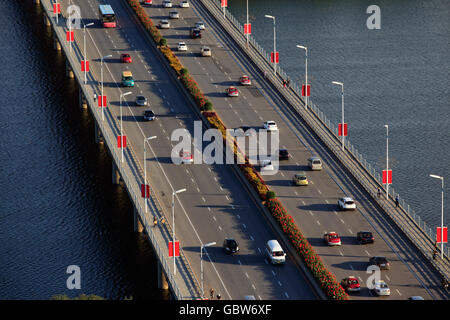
[275,253]
[315,163]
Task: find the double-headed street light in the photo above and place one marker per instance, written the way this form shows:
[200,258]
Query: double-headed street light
[201,262]
[173,224]
[342,124]
[306,74]
[121,126]
[84,46]
[145,170]
[274,45]
[442,213]
[101,71]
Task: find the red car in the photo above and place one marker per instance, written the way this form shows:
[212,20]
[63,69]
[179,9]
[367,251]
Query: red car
[186,157]
[332,238]
[245,81]
[125,58]
[148,2]
[351,284]
[232,92]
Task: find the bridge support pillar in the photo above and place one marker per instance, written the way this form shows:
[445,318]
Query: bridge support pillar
[69,71]
[137,225]
[162,280]
[115,174]
[98,134]
[47,22]
[82,99]
[56,44]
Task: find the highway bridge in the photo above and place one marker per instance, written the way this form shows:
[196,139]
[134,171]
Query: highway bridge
[218,202]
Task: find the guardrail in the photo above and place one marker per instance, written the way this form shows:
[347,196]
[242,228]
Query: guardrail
[366,174]
[185,284]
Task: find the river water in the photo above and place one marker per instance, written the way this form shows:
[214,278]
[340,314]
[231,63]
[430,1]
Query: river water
[398,75]
[57,204]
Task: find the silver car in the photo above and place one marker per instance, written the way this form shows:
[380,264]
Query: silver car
[381,288]
[141,100]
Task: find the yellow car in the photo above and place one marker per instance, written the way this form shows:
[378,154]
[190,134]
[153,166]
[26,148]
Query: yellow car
[300,179]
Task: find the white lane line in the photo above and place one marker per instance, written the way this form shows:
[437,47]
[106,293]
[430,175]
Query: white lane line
[238,216]
[318,222]
[351,267]
[192,179]
[245,227]
[259,250]
[327,201]
[251,238]
[342,221]
[367,252]
[198,190]
[303,202]
[398,292]
[296,193]
[281,172]
[220,228]
[209,209]
[239,261]
[335,212]
[279,283]
[274,274]
[287,296]
[187,171]
[204,200]
[319,191]
[388,278]
[350,230]
[246,274]
[214,218]
[253,286]
[340,252]
[310,212]
[259,297]
[215,179]
[209,169]
[227,198]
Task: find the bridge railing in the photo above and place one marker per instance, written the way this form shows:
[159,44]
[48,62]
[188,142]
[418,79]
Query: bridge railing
[184,284]
[376,179]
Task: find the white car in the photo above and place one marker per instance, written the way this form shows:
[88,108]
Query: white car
[266,165]
[381,288]
[206,51]
[200,25]
[184,4]
[182,46]
[174,15]
[164,24]
[346,203]
[270,126]
[167,4]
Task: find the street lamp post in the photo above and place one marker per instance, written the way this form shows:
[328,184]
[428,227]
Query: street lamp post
[121,126]
[247,24]
[173,223]
[442,213]
[201,262]
[145,169]
[70,27]
[84,46]
[387,161]
[306,74]
[274,45]
[101,69]
[342,125]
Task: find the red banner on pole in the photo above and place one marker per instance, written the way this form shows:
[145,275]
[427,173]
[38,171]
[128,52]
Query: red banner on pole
[85,66]
[389,177]
[438,235]
[119,141]
[56,8]
[145,190]
[277,57]
[100,101]
[340,129]
[308,91]
[69,36]
[224,3]
[247,28]
[177,248]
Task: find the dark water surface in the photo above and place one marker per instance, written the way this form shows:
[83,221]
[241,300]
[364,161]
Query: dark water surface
[398,75]
[57,204]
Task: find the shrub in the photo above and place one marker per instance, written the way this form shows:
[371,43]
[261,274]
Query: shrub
[163,42]
[270,195]
[208,106]
[184,71]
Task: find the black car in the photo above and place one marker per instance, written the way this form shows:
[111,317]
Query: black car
[381,262]
[283,154]
[196,33]
[149,115]
[230,246]
[365,237]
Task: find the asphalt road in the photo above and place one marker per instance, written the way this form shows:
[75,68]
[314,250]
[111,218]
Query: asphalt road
[215,204]
[314,207]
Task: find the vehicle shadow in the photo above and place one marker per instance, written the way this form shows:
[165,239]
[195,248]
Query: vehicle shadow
[324,207]
[294,167]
